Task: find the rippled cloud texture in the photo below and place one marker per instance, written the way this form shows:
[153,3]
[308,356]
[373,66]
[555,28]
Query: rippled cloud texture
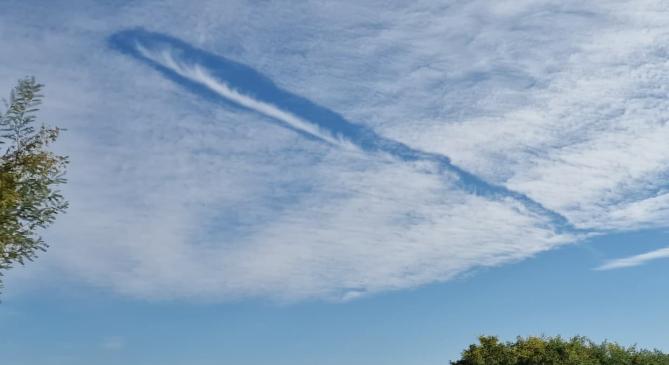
[529,125]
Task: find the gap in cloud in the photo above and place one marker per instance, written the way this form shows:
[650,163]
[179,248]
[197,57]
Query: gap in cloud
[220,79]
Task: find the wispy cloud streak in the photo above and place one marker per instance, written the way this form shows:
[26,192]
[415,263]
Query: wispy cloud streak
[636,260]
[216,76]
[199,74]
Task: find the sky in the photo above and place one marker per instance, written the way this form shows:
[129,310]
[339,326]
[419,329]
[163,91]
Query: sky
[351,182]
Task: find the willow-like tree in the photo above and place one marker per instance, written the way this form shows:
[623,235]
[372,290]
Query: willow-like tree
[29,176]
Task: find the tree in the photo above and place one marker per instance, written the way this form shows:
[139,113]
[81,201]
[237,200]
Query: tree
[556,351]
[29,176]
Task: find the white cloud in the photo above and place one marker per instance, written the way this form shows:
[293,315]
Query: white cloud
[113,343]
[177,197]
[199,74]
[636,260]
[590,140]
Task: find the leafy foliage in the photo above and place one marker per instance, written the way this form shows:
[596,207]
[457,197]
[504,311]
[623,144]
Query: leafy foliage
[29,174]
[556,351]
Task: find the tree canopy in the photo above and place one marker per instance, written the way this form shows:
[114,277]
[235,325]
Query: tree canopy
[556,351]
[29,176]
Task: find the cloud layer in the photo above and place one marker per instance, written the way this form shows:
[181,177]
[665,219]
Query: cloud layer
[247,88]
[558,105]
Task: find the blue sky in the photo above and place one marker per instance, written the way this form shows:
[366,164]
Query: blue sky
[362,183]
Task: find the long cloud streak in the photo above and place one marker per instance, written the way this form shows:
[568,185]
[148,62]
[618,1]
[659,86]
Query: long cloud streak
[216,76]
[636,260]
[201,75]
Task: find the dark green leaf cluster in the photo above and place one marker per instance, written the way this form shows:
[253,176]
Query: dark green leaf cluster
[29,175]
[556,351]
